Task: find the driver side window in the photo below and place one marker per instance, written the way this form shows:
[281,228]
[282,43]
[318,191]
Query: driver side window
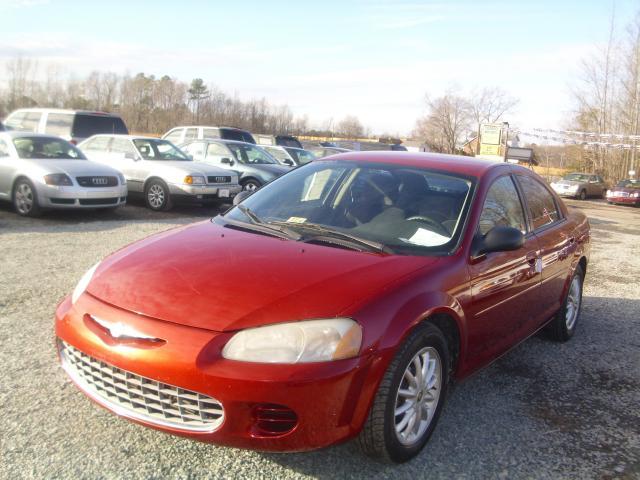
[502,207]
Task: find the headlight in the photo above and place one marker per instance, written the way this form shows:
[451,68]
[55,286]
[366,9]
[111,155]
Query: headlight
[58,179]
[296,342]
[608,193]
[635,195]
[123,181]
[194,180]
[83,283]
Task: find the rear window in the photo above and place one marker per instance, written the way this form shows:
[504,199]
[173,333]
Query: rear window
[288,142]
[88,125]
[238,135]
[59,124]
[31,121]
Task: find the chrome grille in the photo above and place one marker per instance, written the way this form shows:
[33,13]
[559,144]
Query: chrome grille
[218,179]
[140,397]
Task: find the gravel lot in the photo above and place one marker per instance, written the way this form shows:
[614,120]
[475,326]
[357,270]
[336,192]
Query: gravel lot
[544,410]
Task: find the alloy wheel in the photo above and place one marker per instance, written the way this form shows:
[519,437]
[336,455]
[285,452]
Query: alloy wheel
[573,303]
[250,186]
[156,196]
[24,198]
[418,395]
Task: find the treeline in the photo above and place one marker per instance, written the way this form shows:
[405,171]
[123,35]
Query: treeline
[151,104]
[607,102]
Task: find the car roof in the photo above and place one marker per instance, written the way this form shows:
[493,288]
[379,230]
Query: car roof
[438,161]
[126,137]
[69,111]
[208,126]
[224,140]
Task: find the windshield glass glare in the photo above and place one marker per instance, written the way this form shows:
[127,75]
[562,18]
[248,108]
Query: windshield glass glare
[159,150]
[48,148]
[250,154]
[409,210]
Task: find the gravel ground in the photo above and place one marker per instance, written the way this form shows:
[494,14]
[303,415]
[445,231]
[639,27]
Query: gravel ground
[544,410]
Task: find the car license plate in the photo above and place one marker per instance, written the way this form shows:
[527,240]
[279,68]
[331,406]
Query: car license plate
[223,192]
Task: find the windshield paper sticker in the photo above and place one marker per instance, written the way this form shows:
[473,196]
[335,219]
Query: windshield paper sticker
[426,238]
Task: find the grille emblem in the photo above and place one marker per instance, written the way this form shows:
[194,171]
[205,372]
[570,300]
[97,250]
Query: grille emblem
[118,330]
[99,181]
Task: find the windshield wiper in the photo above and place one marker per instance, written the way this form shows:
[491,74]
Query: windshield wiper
[370,245]
[257,221]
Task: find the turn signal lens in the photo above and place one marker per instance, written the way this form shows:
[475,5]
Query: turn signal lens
[194,180]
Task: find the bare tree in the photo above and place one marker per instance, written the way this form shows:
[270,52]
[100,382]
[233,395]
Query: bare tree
[448,121]
[490,104]
[350,127]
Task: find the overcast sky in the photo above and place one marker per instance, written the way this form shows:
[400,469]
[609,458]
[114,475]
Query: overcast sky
[375,59]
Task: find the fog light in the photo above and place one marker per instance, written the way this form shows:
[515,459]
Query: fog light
[271,420]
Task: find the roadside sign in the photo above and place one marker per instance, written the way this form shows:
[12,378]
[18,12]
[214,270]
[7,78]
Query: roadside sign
[490,134]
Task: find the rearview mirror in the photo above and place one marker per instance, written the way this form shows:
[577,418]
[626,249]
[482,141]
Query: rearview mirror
[241,196]
[498,239]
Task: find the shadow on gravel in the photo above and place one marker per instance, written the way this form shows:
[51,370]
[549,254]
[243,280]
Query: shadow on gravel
[64,221]
[545,409]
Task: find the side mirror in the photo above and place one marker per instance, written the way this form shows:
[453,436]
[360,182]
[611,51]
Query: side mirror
[226,161]
[131,156]
[286,161]
[498,239]
[189,156]
[241,196]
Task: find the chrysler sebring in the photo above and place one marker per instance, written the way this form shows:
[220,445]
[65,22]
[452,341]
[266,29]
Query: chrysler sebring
[339,301]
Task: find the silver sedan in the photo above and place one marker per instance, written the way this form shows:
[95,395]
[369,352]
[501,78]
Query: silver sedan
[40,172]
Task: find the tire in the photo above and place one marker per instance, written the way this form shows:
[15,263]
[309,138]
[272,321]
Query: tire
[157,196]
[25,199]
[383,436]
[582,195]
[564,323]
[250,185]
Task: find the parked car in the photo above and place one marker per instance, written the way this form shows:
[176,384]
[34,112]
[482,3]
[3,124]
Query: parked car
[338,301]
[289,156]
[580,185]
[280,140]
[625,192]
[254,165]
[160,171]
[321,152]
[180,135]
[39,172]
[71,125]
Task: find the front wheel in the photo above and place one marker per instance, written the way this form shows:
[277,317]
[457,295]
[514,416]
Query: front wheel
[157,196]
[25,199]
[563,325]
[582,195]
[410,398]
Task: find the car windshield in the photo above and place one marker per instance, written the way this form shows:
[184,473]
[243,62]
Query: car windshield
[628,183]
[302,157]
[46,147]
[250,154]
[152,149]
[409,211]
[277,153]
[576,177]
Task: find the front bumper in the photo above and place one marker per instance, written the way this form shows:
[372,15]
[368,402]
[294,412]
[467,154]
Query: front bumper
[79,197]
[204,193]
[331,399]
[566,193]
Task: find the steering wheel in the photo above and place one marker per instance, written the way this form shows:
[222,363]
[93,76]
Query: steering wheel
[430,221]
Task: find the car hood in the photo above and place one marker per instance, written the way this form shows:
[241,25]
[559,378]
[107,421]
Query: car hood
[73,168]
[570,183]
[271,168]
[181,168]
[217,278]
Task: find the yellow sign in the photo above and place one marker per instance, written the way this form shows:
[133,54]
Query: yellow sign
[489,149]
[490,134]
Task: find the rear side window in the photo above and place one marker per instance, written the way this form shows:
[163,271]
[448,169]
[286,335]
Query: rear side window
[122,145]
[502,207]
[217,150]
[238,135]
[209,133]
[174,136]
[190,134]
[31,121]
[88,125]
[98,144]
[59,124]
[15,121]
[541,205]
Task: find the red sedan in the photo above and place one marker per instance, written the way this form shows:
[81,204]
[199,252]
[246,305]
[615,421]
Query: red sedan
[626,192]
[339,301]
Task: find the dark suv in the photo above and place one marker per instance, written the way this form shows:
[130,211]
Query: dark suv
[72,125]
